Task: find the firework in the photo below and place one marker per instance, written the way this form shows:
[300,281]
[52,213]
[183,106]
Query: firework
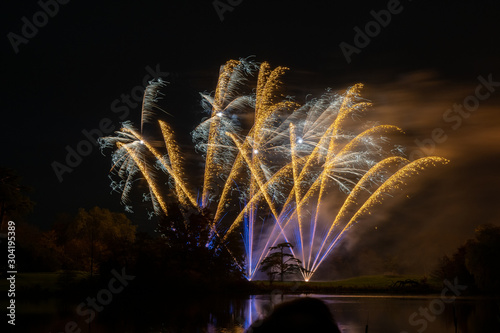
[270,164]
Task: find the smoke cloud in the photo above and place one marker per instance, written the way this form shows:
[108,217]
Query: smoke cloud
[440,208]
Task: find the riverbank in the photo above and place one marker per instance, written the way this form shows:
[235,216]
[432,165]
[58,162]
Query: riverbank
[76,283]
[384,284]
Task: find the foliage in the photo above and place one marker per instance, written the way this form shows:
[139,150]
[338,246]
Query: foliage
[97,235]
[475,263]
[481,258]
[193,251]
[83,242]
[36,250]
[280,263]
[13,200]
[453,267]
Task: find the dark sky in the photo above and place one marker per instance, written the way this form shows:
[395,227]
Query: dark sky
[64,79]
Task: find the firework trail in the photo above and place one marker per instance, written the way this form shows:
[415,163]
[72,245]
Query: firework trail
[270,164]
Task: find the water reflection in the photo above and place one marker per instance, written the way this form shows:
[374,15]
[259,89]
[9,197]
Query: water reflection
[382,313]
[353,314]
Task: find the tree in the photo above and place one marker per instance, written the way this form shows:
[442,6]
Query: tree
[481,258]
[195,250]
[97,235]
[475,263]
[36,251]
[13,201]
[281,263]
[453,267]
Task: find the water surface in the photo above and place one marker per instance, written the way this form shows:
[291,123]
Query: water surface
[353,314]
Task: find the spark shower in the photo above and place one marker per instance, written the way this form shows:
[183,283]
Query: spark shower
[274,170]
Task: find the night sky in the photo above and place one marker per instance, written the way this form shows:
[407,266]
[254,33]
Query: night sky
[64,79]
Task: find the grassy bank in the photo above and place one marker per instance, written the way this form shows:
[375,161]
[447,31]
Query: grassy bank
[45,282]
[69,282]
[361,284]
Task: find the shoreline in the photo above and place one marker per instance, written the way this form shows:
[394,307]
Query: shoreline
[54,284]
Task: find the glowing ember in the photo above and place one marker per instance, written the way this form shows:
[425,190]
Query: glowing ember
[269,180]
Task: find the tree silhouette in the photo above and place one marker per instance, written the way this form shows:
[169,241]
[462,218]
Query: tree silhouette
[280,262]
[95,234]
[13,201]
[192,247]
[476,262]
[481,257]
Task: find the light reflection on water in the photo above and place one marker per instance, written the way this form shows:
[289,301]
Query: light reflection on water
[383,313]
[219,315]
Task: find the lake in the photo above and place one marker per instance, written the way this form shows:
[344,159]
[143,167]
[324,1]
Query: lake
[353,314]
